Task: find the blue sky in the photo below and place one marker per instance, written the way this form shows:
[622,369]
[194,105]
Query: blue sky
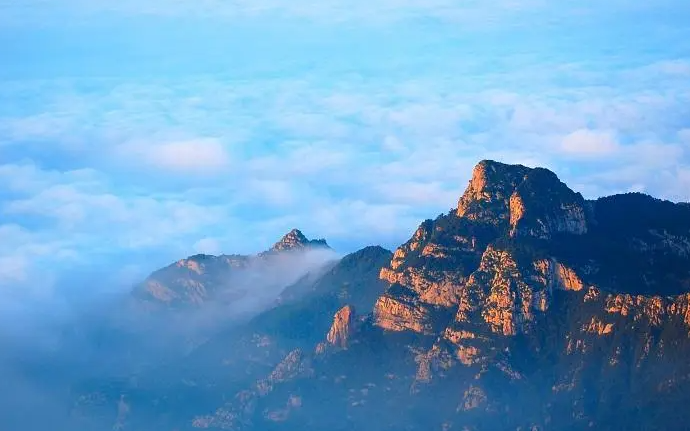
[134,135]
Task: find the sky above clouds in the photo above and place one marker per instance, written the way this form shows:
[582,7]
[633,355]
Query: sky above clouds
[135,133]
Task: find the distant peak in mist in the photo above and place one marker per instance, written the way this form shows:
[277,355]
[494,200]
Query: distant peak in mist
[295,240]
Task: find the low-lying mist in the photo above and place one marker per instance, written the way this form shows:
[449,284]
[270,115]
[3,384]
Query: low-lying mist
[51,348]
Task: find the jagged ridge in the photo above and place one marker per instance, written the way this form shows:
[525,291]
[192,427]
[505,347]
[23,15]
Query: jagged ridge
[200,278]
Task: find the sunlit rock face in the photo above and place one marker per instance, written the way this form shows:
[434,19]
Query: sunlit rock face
[534,202]
[501,201]
[343,322]
[488,195]
[518,235]
[399,313]
[523,260]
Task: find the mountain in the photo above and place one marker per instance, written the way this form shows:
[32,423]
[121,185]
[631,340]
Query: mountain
[305,311]
[527,307]
[230,353]
[295,240]
[199,279]
[298,320]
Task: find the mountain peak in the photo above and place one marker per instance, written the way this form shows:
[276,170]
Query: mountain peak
[490,175]
[295,239]
[491,180]
[295,235]
[531,201]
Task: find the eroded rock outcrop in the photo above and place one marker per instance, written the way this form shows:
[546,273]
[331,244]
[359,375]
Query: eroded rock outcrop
[342,328]
[397,313]
[555,275]
[488,195]
[534,202]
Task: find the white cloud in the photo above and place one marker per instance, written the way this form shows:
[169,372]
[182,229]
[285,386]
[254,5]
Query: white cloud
[357,219]
[27,177]
[308,125]
[301,159]
[207,246]
[86,210]
[364,158]
[187,156]
[274,192]
[684,136]
[433,194]
[13,269]
[393,144]
[38,126]
[676,67]
[590,144]
[651,155]
[20,252]
[683,184]
[428,119]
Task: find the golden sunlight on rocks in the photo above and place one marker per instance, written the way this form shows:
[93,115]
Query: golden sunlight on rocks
[557,276]
[486,190]
[598,327]
[517,212]
[651,308]
[339,335]
[435,288]
[455,336]
[592,294]
[681,307]
[509,301]
[467,355]
[398,259]
[191,265]
[394,315]
[434,250]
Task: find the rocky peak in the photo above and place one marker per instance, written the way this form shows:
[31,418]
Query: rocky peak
[490,189]
[481,262]
[526,201]
[339,334]
[196,280]
[295,240]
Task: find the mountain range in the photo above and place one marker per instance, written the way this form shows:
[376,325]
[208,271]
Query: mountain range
[526,307]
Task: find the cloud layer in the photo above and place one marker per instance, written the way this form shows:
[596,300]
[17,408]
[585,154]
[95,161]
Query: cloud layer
[150,144]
